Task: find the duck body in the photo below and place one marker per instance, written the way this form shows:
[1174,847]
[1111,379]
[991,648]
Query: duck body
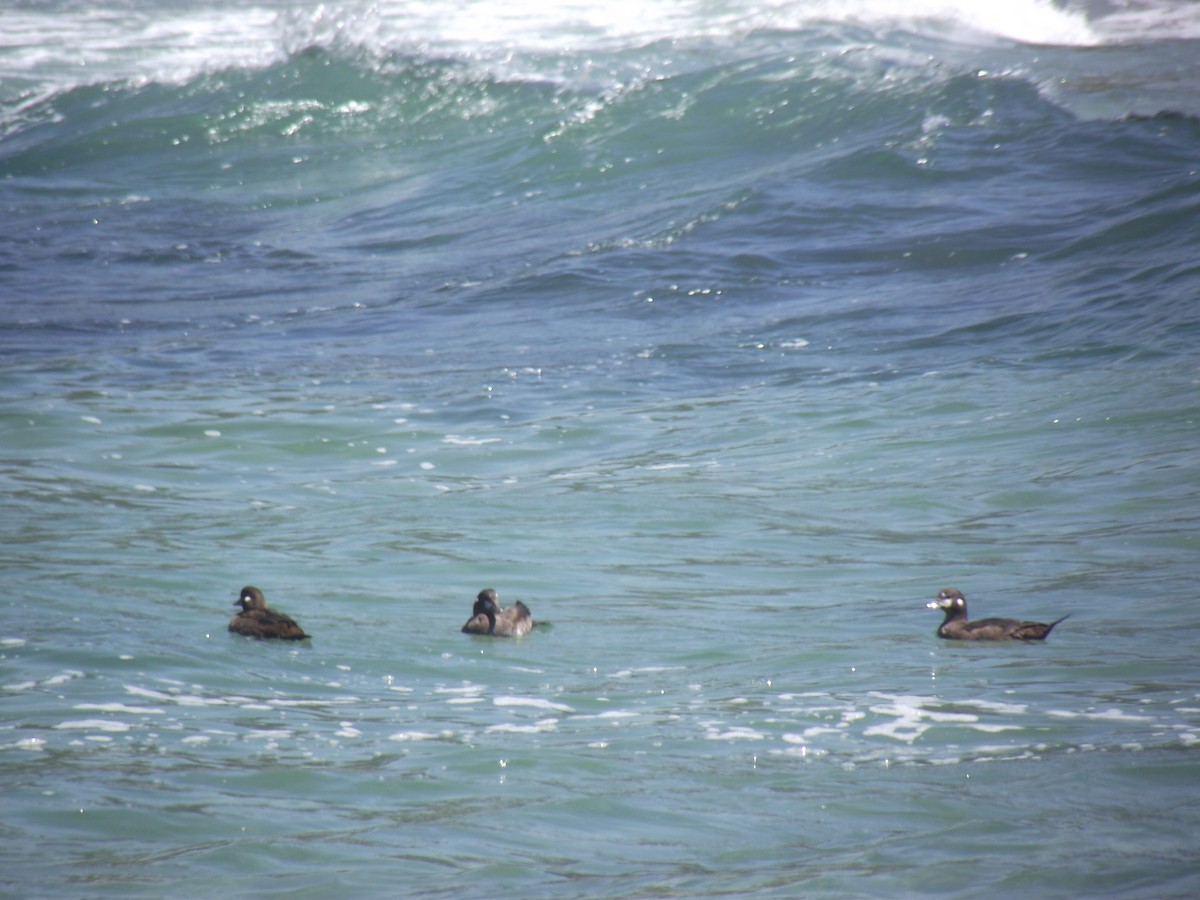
[257,621]
[488,617]
[957,627]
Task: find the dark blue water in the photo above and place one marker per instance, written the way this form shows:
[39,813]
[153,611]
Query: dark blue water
[723,336]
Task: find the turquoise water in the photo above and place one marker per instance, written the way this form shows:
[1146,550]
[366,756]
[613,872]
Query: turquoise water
[723,337]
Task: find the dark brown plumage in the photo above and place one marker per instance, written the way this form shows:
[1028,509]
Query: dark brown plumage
[256,621]
[956,627]
[488,617]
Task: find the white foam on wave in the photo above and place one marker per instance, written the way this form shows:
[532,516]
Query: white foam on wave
[1112,714]
[94,725]
[643,670]
[260,734]
[35,744]
[176,697]
[53,681]
[561,25]
[533,702]
[466,689]
[911,717]
[102,44]
[539,727]
[1146,20]
[407,736]
[1026,21]
[119,708]
[110,42]
[317,704]
[1008,709]
[993,729]
[609,715]
[713,732]
[455,440]
[62,678]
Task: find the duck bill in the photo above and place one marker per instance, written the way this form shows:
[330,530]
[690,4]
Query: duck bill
[933,604]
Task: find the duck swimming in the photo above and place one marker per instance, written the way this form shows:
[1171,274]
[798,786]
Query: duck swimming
[955,626]
[488,617]
[256,621]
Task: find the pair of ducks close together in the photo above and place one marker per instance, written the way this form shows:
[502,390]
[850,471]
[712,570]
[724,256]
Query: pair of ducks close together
[489,618]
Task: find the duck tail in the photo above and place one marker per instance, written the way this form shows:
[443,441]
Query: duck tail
[1050,627]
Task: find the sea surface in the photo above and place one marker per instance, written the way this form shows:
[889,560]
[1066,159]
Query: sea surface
[722,334]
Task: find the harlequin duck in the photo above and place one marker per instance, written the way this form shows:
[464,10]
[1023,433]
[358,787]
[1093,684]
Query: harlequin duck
[955,626]
[256,621]
[487,617]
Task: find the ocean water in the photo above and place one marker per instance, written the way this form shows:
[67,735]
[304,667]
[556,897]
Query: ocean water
[721,334]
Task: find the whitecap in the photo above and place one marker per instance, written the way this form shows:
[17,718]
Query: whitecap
[178,698]
[465,689]
[997,706]
[541,726]
[818,730]
[119,708]
[94,725]
[628,673]
[534,702]
[737,733]
[34,743]
[608,715]
[148,693]
[264,735]
[193,700]
[458,441]
[68,675]
[306,703]
[578,475]
[994,729]
[1112,714]
[418,736]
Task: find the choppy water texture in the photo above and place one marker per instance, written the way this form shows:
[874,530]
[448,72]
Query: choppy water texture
[721,335]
